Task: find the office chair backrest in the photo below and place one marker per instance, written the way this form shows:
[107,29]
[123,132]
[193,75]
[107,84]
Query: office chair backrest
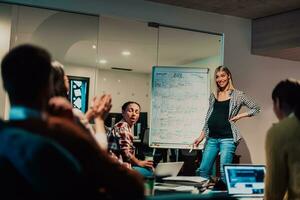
[12,183]
[146,137]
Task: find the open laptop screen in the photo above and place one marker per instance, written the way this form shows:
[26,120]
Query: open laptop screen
[168,168]
[245,179]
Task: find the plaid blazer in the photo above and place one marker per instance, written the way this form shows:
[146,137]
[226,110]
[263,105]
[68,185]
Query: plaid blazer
[237,100]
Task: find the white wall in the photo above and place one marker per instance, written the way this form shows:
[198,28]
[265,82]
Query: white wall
[5,31]
[256,75]
[125,86]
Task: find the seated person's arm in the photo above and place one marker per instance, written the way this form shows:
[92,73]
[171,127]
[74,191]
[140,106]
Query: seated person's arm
[128,153]
[107,172]
[142,163]
[101,107]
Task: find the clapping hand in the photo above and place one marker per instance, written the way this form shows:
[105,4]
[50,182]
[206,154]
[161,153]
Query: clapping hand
[102,106]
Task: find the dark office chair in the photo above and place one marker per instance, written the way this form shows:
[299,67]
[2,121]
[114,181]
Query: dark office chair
[148,151]
[12,183]
[144,146]
[145,137]
[33,167]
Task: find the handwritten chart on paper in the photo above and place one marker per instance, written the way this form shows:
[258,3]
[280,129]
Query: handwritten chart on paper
[179,105]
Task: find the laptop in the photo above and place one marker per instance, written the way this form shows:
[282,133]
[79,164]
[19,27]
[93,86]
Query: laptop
[168,169]
[245,180]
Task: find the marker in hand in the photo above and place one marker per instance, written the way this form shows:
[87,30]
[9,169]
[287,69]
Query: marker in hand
[191,148]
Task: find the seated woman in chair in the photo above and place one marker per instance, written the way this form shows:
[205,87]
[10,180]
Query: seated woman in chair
[120,140]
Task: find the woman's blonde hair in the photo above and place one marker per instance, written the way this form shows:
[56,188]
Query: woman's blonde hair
[227,71]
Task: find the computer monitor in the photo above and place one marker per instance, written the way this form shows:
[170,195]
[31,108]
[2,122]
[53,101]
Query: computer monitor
[245,179]
[112,119]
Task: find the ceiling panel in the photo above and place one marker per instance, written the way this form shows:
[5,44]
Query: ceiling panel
[241,8]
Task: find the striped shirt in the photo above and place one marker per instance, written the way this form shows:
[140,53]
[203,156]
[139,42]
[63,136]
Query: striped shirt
[120,142]
[237,100]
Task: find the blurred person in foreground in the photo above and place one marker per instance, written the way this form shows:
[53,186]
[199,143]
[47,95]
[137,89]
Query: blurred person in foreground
[26,72]
[283,144]
[97,112]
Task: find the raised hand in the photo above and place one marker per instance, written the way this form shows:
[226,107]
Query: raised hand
[102,106]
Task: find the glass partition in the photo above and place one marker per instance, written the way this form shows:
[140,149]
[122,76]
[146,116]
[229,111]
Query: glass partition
[190,48]
[128,50]
[5,33]
[71,38]
[116,54]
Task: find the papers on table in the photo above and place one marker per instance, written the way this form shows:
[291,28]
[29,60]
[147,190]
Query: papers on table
[177,188]
[191,184]
[187,179]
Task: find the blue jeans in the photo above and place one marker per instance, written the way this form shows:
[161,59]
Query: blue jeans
[226,147]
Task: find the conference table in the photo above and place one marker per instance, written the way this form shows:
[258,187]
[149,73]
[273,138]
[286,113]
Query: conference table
[195,195]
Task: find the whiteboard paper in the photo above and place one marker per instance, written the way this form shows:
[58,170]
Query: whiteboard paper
[178,106]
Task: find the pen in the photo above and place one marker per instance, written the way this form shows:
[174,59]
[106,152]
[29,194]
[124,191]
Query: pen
[191,150]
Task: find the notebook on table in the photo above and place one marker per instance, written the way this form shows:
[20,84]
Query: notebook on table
[245,180]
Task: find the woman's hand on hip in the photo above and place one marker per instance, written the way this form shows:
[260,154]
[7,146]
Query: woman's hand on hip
[238,117]
[234,119]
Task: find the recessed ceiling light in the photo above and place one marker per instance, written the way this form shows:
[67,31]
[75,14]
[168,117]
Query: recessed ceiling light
[103,61]
[126,53]
[94,46]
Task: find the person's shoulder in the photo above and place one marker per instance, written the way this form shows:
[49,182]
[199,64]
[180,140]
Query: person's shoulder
[32,124]
[212,96]
[121,124]
[17,134]
[20,138]
[289,124]
[284,127]
[238,92]
[65,130]
[57,121]
[61,124]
